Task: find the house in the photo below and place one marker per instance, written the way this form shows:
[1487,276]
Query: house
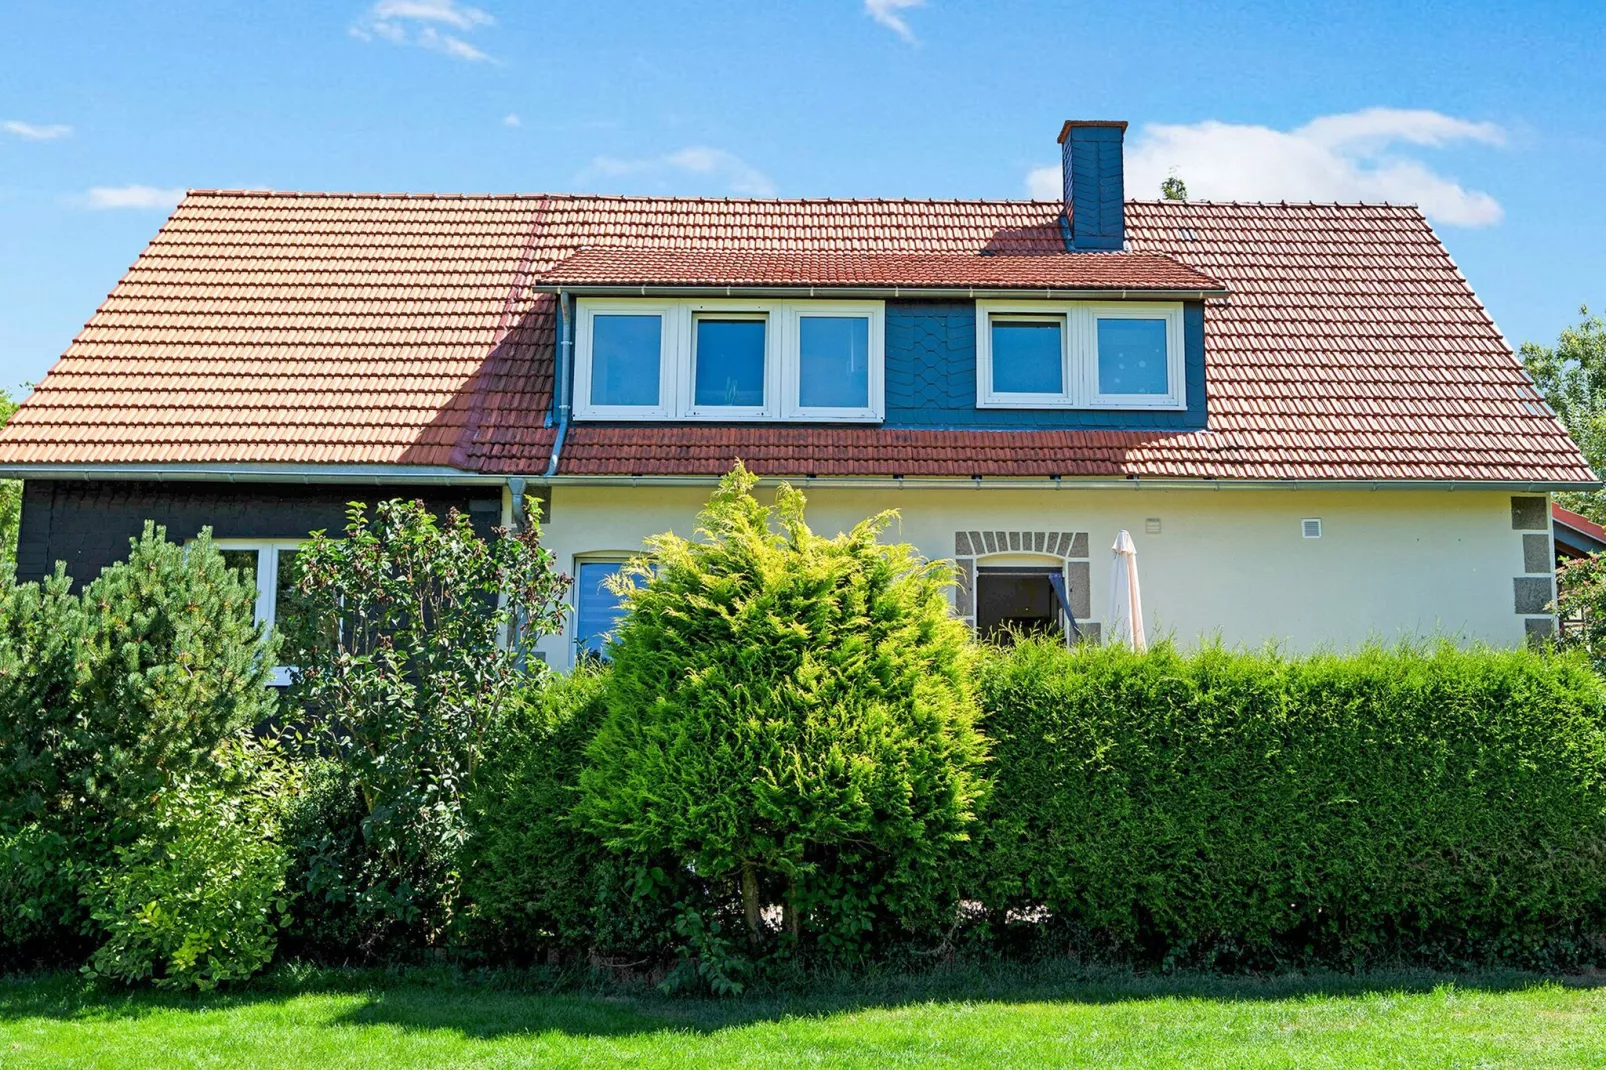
[1575,535]
[1301,412]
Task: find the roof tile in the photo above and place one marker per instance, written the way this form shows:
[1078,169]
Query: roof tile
[383,329]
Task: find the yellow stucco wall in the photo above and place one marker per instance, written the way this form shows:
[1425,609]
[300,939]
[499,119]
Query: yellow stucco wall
[1390,564]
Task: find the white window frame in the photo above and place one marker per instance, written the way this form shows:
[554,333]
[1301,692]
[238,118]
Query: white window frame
[782,360]
[668,314]
[1079,352]
[594,557]
[792,359]
[986,396]
[1170,314]
[733,310]
[267,576]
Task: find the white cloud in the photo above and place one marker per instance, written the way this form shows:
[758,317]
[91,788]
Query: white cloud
[419,23]
[726,170]
[512,119]
[139,197]
[33,131]
[1356,156]
[886,13]
[447,11]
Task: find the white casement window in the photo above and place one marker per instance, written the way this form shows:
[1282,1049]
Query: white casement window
[268,561]
[1114,355]
[729,360]
[597,610]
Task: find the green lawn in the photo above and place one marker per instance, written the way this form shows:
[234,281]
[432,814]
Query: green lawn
[1107,1021]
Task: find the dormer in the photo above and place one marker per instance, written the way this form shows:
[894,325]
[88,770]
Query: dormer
[1045,320]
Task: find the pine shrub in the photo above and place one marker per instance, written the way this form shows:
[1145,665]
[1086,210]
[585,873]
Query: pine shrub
[790,718]
[107,699]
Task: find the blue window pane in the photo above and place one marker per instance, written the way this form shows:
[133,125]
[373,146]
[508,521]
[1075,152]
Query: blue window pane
[1132,357]
[730,363]
[834,362]
[598,609]
[624,359]
[1027,358]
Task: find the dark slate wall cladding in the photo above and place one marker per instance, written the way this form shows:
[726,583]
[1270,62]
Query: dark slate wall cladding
[931,377]
[88,524]
[1093,176]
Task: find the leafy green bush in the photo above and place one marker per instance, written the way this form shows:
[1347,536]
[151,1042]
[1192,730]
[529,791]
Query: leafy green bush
[537,882]
[404,675]
[1241,808]
[323,831]
[790,717]
[1581,584]
[106,699]
[199,898]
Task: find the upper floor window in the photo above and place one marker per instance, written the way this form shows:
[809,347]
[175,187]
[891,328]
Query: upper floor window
[729,360]
[1079,356]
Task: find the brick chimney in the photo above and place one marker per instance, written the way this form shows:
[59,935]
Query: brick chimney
[1095,184]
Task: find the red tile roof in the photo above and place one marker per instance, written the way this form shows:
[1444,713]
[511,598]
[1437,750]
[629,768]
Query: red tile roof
[368,329]
[745,267]
[1578,522]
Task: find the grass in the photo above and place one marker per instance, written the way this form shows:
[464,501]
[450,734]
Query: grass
[1000,1019]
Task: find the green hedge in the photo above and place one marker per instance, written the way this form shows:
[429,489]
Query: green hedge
[537,882]
[1240,808]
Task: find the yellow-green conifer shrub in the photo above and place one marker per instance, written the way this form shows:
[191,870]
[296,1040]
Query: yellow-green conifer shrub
[791,718]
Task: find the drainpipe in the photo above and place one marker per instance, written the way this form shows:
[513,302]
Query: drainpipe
[515,489]
[562,379]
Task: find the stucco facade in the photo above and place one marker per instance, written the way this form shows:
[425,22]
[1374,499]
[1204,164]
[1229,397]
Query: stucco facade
[1230,563]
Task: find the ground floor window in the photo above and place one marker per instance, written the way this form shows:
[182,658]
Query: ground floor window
[1020,600]
[597,610]
[269,563]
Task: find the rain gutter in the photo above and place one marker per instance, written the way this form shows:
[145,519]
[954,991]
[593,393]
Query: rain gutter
[563,377]
[1002,483]
[421,474]
[255,473]
[970,293]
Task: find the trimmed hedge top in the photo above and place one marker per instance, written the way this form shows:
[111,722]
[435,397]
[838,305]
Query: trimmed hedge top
[1420,802]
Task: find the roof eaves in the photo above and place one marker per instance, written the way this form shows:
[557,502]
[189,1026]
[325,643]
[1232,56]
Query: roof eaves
[692,289]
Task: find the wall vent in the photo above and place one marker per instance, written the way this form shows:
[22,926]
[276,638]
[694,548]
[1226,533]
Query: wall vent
[1311,529]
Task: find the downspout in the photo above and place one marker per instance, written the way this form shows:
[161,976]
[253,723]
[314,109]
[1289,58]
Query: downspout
[562,379]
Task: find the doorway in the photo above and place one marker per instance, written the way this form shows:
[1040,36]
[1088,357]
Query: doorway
[1019,600]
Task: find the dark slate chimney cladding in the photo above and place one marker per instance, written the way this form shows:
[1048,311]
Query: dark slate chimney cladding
[1095,184]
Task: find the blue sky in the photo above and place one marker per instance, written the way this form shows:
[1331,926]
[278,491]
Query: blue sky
[1489,114]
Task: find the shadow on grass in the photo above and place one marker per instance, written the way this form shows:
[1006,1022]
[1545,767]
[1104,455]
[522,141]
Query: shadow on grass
[503,1005]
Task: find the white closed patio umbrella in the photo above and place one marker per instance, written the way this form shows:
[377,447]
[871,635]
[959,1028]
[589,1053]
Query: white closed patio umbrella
[1126,601]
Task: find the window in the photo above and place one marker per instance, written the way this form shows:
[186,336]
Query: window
[833,362]
[625,368]
[729,360]
[1125,355]
[1131,358]
[627,353]
[1029,355]
[596,609]
[269,564]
